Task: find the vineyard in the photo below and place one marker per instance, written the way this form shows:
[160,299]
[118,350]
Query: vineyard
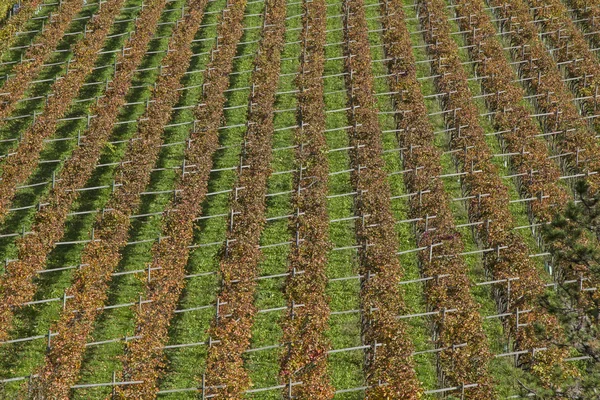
[299,199]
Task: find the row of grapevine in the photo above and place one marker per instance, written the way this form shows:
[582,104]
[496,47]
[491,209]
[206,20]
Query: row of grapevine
[305,359]
[232,327]
[389,365]
[17,283]
[144,358]
[17,22]
[577,144]
[528,153]
[571,51]
[435,227]
[589,13]
[489,201]
[36,55]
[101,256]
[23,162]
